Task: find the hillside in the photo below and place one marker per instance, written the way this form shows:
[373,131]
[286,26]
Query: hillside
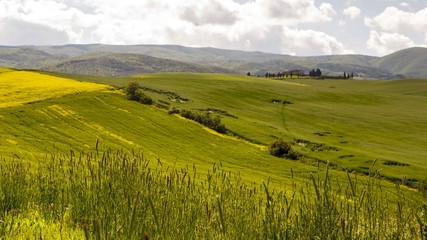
[76,120]
[124,64]
[204,56]
[365,66]
[81,161]
[215,60]
[25,57]
[23,87]
[330,67]
[409,62]
[348,123]
[372,120]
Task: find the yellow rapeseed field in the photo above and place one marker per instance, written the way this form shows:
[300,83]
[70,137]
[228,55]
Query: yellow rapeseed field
[20,87]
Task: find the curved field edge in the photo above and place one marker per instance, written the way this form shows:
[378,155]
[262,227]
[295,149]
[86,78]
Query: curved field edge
[118,195]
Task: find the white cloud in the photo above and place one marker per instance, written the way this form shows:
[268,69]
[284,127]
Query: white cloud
[395,20]
[327,10]
[211,13]
[352,12]
[263,25]
[309,42]
[389,29]
[286,12]
[386,43]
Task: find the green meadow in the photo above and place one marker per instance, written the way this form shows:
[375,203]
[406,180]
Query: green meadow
[76,122]
[92,164]
[355,122]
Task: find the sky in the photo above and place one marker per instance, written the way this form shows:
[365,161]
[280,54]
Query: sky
[294,27]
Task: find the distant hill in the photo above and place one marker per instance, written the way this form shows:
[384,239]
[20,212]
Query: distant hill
[25,57]
[124,64]
[410,62]
[76,58]
[203,56]
[334,68]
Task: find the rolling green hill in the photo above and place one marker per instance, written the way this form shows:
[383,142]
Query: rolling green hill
[89,163]
[347,123]
[76,121]
[355,122]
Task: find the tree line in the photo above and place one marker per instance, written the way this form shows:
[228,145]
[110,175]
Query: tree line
[300,73]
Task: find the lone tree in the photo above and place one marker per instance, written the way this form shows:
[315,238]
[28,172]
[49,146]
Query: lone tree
[133,92]
[131,89]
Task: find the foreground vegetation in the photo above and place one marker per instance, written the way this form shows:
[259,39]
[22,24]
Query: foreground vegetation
[114,195]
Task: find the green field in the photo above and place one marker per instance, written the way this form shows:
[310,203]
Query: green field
[364,120]
[75,123]
[349,124]
[356,121]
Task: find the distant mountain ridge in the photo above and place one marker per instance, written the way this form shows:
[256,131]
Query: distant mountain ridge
[125,64]
[120,60]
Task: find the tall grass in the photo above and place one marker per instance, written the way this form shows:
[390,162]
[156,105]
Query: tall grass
[114,195]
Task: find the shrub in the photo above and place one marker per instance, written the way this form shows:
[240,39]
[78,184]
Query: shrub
[283,149]
[134,93]
[395,163]
[131,88]
[206,120]
[174,110]
[143,98]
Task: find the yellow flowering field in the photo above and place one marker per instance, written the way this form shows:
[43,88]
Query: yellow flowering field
[20,87]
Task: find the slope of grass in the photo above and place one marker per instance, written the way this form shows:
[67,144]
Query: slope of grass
[21,87]
[77,121]
[357,121]
[190,182]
